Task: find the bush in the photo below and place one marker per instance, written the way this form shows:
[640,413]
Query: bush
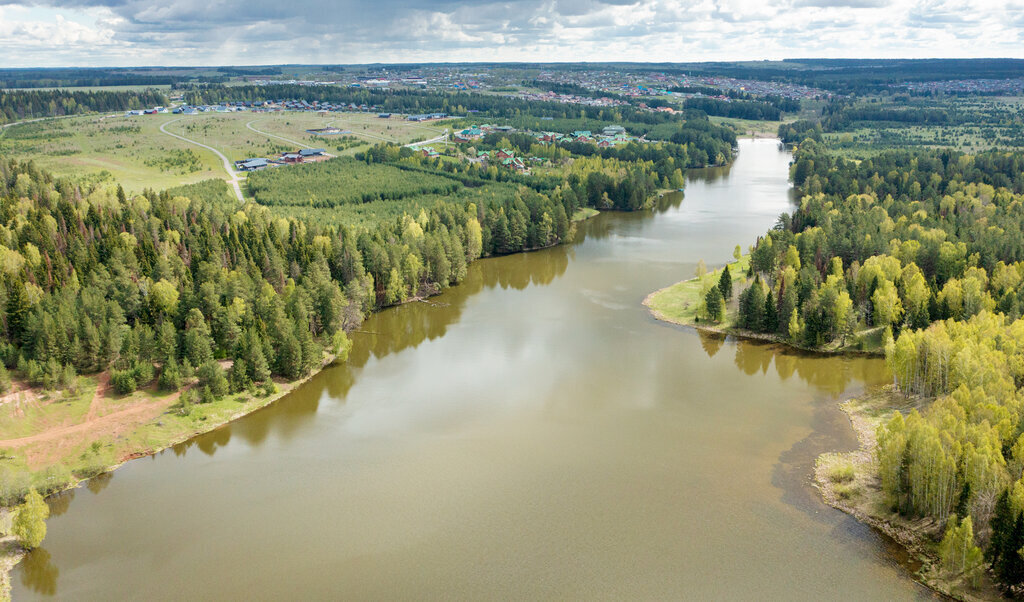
[170,376]
[841,473]
[123,381]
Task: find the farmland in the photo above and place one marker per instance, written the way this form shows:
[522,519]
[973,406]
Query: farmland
[132,150]
[342,181]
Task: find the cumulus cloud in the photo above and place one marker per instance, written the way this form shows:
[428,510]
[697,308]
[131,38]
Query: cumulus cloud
[152,32]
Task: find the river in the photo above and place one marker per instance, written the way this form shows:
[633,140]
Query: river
[532,433]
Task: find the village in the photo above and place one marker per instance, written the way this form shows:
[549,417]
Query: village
[506,158]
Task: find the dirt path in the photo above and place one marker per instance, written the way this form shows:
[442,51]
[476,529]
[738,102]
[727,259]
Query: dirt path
[295,142]
[227,163]
[113,422]
[102,387]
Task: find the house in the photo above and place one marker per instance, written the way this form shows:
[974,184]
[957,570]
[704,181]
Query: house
[613,130]
[252,164]
[429,152]
[504,154]
[385,115]
[311,152]
[291,158]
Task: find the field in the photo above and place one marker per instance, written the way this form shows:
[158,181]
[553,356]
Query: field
[342,181]
[969,124]
[749,127]
[365,215]
[136,154]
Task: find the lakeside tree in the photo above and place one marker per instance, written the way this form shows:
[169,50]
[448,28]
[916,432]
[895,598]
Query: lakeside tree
[29,526]
[715,304]
[725,283]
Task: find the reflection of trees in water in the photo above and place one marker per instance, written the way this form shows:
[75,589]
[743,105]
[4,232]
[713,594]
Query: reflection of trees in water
[711,342]
[384,333]
[100,482]
[408,325]
[708,175]
[829,373]
[60,502]
[38,573]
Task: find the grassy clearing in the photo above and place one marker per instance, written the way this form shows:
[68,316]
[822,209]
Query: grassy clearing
[135,153]
[755,128]
[28,411]
[584,213]
[680,302]
[131,150]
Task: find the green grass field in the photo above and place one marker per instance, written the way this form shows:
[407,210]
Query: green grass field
[136,154]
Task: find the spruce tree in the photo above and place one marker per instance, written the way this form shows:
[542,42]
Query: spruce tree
[714,302]
[1001,524]
[770,321]
[725,283]
[1010,567]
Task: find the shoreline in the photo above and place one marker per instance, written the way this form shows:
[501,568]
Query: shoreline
[721,329]
[11,553]
[848,481]
[859,495]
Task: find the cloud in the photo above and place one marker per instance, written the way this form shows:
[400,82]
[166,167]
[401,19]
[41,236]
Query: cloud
[158,32]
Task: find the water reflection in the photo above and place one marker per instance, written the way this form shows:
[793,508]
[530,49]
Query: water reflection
[38,573]
[535,417]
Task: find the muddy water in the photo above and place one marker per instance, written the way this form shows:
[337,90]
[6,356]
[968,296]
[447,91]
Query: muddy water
[532,433]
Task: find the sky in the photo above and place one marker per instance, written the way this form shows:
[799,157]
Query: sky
[101,33]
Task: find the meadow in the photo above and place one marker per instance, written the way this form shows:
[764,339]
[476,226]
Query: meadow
[132,150]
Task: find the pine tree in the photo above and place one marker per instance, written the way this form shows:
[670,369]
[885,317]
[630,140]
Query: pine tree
[5,378]
[725,283]
[170,376]
[1010,567]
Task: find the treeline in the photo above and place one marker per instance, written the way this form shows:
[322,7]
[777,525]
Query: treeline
[896,241]
[739,109]
[928,248]
[16,105]
[161,288]
[602,183]
[64,78]
[425,101]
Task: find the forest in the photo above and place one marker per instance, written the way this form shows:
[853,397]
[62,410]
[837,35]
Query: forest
[161,288]
[29,104]
[928,246]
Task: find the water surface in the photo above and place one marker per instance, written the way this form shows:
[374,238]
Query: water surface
[532,433]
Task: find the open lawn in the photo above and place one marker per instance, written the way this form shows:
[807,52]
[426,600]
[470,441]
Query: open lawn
[749,127]
[138,155]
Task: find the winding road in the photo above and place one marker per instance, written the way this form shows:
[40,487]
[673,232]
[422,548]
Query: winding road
[290,141]
[227,163]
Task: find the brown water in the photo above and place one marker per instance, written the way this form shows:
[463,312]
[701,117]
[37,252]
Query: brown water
[533,434]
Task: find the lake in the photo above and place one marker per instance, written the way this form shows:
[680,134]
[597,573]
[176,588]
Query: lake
[532,433]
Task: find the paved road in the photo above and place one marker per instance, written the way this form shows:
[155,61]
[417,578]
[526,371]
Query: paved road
[441,138]
[295,142]
[227,163]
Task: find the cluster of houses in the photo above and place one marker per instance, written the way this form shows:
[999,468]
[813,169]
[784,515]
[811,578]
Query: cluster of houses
[612,135]
[426,116]
[305,155]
